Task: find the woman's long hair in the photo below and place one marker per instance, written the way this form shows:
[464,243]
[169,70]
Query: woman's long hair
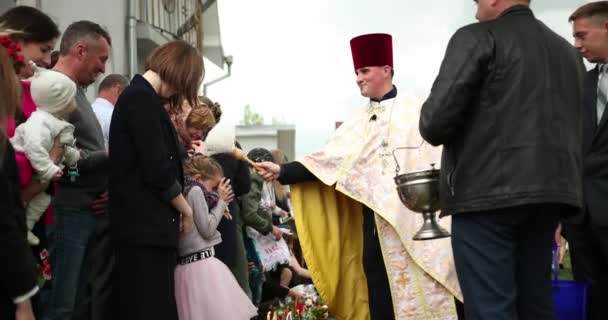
[28,24]
[280,190]
[10,91]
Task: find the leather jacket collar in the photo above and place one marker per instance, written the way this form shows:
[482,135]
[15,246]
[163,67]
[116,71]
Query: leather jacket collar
[517,9]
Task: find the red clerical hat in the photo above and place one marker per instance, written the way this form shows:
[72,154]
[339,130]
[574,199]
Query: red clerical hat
[372,50]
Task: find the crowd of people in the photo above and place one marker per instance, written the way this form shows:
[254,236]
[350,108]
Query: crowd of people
[120,208]
[76,255]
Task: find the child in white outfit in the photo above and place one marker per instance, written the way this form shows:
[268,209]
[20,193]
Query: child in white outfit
[53,93]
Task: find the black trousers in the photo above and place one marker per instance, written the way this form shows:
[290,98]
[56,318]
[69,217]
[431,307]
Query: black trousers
[143,283]
[589,255]
[379,291]
[226,250]
[503,260]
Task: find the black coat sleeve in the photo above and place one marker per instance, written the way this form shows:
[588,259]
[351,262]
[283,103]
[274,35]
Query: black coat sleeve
[17,269]
[294,172]
[145,122]
[242,180]
[182,152]
[462,70]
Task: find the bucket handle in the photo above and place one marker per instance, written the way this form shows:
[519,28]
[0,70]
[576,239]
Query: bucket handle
[398,168]
[555,252]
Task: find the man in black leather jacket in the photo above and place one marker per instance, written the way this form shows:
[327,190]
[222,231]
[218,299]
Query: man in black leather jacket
[506,108]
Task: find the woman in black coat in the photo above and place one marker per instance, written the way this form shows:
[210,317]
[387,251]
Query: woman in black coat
[17,267]
[17,272]
[147,208]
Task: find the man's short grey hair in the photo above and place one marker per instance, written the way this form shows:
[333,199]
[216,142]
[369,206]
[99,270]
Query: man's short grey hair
[113,80]
[80,30]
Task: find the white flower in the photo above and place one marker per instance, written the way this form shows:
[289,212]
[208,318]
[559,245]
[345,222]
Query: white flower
[308,302]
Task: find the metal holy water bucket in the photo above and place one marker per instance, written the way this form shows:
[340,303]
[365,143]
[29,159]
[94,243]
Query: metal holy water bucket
[419,192]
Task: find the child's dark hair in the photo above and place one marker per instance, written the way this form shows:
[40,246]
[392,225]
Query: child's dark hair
[203,166]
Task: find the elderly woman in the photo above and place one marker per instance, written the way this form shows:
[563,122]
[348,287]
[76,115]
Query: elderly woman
[199,122]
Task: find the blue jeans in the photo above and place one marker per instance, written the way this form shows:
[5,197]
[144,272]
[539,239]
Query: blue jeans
[70,248]
[256,282]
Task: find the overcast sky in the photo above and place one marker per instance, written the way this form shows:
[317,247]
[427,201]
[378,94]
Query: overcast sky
[292,58]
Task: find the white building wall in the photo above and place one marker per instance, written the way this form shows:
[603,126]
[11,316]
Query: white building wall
[5,5]
[268,137]
[110,14]
[254,141]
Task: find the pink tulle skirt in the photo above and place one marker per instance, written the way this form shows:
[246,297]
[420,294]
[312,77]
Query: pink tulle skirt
[207,290]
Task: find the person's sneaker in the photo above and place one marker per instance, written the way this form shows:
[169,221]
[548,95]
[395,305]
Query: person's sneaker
[32,239]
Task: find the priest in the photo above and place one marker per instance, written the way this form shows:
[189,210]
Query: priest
[355,233]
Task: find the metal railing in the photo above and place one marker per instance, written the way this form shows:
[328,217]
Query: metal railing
[180,19]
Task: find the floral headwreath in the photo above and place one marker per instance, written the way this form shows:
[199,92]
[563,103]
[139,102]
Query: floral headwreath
[13,49]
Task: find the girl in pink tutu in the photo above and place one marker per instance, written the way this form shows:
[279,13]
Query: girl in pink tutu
[204,287]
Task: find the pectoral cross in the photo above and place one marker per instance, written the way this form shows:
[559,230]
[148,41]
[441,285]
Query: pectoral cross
[384,155]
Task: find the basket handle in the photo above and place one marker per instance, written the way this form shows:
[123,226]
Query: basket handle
[555,261]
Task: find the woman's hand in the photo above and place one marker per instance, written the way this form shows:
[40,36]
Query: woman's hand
[225,191]
[186,221]
[197,147]
[24,311]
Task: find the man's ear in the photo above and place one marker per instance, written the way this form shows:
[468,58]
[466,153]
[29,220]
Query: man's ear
[117,90]
[387,70]
[80,50]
